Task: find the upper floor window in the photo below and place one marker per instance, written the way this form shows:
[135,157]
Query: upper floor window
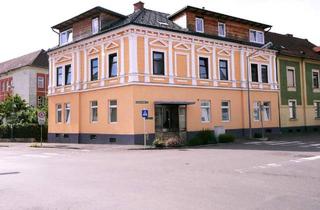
[199,25]
[158,63]
[95,25]
[222,29]
[291,77]
[254,72]
[66,37]
[59,76]
[113,65]
[67,75]
[40,82]
[94,69]
[223,68]
[256,36]
[315,79]
[41,101]
[203,68]
[264,73]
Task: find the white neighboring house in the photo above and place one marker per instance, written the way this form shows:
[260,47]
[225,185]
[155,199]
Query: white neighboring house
[26,76]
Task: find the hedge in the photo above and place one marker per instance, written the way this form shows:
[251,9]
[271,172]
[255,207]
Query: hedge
[24,131]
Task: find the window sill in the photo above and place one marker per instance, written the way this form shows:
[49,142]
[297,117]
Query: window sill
[316,90]
[293,119]
[205,122]
[317,118]
[292,89]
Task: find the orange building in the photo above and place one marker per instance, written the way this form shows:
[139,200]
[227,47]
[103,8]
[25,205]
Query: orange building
[189,70]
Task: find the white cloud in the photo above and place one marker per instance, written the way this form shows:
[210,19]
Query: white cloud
[26,25]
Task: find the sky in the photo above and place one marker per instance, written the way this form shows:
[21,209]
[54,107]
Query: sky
[26,24]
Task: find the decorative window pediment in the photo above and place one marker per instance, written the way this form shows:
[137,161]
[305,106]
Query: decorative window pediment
[204,49]
[223,52]
[93,50]
[111,45]
[159,43]
[63,58]
[181,46]
[260,58]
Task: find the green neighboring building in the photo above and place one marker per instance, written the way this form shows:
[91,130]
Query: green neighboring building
[298,67]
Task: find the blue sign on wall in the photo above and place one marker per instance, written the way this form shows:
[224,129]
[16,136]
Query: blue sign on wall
[144,113]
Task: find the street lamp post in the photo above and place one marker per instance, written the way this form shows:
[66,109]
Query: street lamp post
[268,45]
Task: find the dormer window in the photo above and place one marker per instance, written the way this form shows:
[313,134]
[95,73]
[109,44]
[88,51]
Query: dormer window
[256,36]
[199,25]
[66,37]
[95,25]
[222,29]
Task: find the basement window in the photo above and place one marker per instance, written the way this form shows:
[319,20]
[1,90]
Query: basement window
[93,137]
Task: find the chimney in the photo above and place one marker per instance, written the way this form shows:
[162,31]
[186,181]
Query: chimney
[289,35]
[138,6]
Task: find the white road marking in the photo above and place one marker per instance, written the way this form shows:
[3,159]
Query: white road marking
[36,156]
[50,153]
[85,150]
[272,165]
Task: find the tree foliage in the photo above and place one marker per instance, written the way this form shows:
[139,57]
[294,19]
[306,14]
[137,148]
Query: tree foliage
[15,111]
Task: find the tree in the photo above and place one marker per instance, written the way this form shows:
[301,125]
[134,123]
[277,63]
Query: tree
[14,110]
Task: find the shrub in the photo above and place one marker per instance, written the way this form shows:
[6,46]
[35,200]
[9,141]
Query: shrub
[257,135]
[226,138]
[202,137]
[175,141]
[159,143]
[24,131]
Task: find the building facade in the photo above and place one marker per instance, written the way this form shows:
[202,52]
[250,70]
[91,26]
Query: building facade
[298,64]
[189,70]
[26,76]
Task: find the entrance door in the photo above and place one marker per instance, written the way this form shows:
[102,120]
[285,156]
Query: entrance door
[170,118]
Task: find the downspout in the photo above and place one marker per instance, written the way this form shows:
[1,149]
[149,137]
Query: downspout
[56,33]
[279,93]
[303,89]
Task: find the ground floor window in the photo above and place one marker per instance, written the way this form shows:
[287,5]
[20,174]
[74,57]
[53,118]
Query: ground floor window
[67,112]
[256,111]
[94,111]
[113,107]
[317,109]
[266,111]
[205,111]
[41,101]
[58,113]
[292,109]
[225,110]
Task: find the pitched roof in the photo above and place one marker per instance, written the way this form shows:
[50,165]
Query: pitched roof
[37,59]
[292,46]
[218,15]
[157,20]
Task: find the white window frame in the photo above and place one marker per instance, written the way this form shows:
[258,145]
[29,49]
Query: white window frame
[69,39]
[39,78]
[202,25]
[224,29]
[256,41]
[67,107]
[205,107]
[113,107]
[256,108]
[107,63]
[229,70]
[42,100]
[92,25]
[291,88]
[91,112]
[317,71]
[209,66]
[295,101]
[59,110]
[226,107]
[90,59]
[165,61]
[317,115]
[264,111]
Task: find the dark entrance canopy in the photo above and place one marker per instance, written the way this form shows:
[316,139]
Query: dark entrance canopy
[174,102]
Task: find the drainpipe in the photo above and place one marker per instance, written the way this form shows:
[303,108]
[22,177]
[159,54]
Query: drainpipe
[56,33]
[303,89]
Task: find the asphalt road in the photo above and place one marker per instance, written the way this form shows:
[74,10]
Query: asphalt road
[249,175]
